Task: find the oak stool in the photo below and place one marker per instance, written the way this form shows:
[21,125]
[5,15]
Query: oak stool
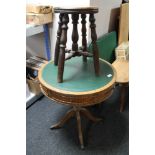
[60,47]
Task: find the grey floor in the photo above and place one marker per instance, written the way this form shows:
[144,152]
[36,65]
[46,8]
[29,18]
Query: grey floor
[110,137]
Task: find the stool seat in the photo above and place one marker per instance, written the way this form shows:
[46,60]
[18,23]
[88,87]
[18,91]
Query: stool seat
[82,10]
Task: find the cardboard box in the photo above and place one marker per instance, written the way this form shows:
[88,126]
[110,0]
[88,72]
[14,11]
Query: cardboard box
[33,64]
[34,8]
[33,85]
[38,19]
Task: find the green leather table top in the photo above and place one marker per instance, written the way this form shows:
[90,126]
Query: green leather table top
[78,76]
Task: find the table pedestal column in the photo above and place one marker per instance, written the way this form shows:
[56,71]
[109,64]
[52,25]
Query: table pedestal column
[76,111]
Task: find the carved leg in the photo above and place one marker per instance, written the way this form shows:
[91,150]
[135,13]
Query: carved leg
[57,45]
[75,111]
[84,40]
[63,40]
[94,45]
[79,129]
[87,114]
[75,35]
[68,115]
[122,101]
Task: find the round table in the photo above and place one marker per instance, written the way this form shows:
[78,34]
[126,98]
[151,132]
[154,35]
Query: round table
[81,87]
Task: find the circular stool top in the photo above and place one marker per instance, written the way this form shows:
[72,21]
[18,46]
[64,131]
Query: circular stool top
[80,85]
[80,10]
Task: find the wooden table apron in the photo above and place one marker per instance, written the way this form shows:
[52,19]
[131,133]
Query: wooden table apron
[81,87]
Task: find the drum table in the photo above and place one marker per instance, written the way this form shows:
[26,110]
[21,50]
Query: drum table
[81,88]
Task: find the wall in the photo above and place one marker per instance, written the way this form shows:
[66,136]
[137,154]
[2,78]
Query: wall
[107,16]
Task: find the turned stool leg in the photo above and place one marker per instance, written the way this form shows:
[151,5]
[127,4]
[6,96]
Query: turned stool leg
[75,35]
[63,40]
[84,40]
[94,45]
[57,45]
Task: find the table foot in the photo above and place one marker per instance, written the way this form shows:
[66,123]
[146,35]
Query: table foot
[55,126]
[87,114]
[68,115]
[82,146]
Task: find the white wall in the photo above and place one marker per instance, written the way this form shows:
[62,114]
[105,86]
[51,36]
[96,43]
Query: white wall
[106,15]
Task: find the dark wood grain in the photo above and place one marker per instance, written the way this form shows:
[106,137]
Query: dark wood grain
[57,45]
[84,39]
[80,10]
[94,45]
[63,41]
[75,35]
[78,53]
